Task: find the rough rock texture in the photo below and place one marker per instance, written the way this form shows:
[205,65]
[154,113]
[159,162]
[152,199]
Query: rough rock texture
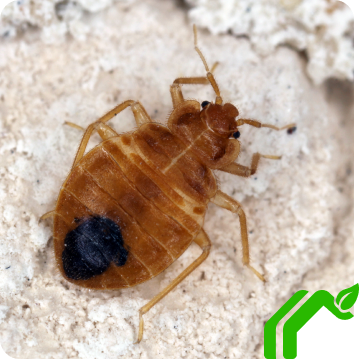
[323,29]
[54,18]
[299,209]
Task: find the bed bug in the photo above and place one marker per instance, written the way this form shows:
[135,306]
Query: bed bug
[133,204]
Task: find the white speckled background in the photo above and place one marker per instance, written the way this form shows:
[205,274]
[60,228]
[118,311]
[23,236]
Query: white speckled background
[73,61]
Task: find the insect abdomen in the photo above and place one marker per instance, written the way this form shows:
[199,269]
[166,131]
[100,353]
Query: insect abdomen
[155,230]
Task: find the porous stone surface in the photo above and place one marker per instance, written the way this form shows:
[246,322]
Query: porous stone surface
[323,29]
[299,209]
[54,18]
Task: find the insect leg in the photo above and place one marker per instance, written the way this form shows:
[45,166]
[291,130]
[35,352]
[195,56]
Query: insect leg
[244,171]
[47,215]
[103,130]
[223,200]
[176,88]
[139,112]
[106,131]
[203,241]
[73,125]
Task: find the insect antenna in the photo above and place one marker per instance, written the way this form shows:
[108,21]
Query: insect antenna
[210,76]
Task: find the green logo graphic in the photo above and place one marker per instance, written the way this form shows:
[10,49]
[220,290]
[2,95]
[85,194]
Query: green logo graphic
[345,300]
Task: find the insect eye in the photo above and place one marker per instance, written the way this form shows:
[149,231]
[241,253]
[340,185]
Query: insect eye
[204,104]
[236,134]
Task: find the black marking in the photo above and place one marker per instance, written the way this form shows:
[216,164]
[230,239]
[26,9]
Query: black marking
[291,130]
[205,103]
[236,134]
[91,247]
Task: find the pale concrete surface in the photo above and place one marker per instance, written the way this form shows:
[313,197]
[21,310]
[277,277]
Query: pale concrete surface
[299,209]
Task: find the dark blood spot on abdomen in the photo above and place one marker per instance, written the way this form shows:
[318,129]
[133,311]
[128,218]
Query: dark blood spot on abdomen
[91,247]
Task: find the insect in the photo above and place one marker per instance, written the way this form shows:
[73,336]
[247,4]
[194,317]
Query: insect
[134,203]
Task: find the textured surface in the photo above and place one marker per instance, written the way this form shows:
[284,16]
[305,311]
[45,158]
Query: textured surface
[322,29]
[299,209]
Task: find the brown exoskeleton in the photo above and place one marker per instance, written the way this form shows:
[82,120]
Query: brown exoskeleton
[132,205]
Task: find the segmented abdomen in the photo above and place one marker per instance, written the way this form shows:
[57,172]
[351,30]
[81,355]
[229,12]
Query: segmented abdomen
[152,187]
